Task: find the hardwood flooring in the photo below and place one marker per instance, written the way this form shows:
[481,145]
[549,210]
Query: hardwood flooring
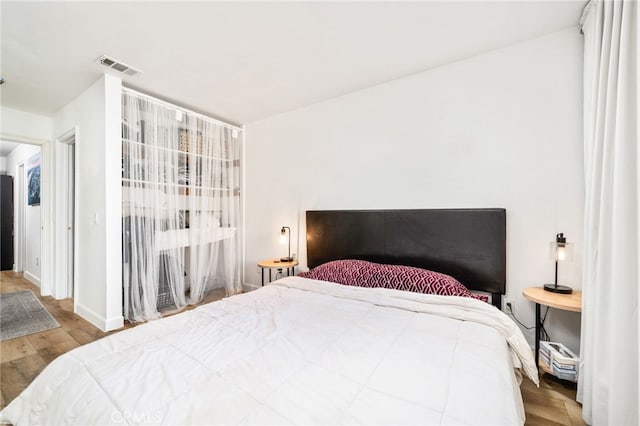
[553,403]
[23,358]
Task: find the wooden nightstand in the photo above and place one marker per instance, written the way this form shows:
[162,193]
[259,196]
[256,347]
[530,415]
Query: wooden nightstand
[277,264]
[567,302]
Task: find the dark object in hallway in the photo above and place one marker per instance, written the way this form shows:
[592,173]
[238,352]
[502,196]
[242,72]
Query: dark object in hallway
[6,222]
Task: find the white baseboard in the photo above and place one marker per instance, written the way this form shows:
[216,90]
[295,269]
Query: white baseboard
[28,275]
[113,323]
[104,324]
[90,315]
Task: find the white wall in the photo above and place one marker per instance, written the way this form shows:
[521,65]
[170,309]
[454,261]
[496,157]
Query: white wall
[20,126]
[3,165]
[33,252]
[96,116]
[502,129]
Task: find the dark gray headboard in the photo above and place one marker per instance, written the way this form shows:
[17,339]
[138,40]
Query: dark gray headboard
[468,244]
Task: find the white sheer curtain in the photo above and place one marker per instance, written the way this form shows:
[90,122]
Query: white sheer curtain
[608,382]
[181,206]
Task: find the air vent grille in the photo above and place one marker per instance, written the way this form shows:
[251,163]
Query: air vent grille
[117,65]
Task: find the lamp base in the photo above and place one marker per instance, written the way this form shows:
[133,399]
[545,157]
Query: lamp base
[286,259]
[562,289]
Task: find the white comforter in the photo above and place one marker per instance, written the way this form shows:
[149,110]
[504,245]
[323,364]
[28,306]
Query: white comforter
[296,351]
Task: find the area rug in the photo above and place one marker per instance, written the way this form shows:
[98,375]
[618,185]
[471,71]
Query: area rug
[21,313]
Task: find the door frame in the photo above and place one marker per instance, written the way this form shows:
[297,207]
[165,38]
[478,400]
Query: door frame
[65,288]
[19,242]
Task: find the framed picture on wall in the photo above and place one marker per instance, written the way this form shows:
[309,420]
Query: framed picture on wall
[33,180]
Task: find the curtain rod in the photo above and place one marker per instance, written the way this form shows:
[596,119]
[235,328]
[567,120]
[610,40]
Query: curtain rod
[176,107]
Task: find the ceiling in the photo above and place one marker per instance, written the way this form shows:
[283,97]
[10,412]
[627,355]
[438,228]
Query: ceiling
[7,147]
[246,61]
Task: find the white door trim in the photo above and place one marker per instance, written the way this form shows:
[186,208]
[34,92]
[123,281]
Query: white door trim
[19,211]
[65,287]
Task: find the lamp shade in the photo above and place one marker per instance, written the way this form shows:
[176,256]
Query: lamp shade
[285,237]
[560,250]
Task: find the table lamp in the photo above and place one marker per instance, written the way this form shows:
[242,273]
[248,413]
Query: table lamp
[286,237]
[560,251]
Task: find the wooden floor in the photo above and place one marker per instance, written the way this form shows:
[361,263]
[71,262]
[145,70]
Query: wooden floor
[553,403]
[21,359]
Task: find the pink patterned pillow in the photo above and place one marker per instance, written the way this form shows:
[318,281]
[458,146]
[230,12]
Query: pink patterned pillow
[361,273]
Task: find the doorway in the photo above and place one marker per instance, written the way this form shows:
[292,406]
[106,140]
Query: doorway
[24,164]
[22,161]
[36,240]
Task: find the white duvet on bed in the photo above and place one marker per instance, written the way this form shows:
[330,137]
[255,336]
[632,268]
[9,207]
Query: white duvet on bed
[296,351]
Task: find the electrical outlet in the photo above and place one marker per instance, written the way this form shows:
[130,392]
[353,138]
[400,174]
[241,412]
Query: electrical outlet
[509,307]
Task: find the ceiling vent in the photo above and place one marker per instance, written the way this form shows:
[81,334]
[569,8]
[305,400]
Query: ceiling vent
[117,65]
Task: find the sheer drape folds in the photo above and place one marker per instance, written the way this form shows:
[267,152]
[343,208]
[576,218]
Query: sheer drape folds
[181,206]
[608,381]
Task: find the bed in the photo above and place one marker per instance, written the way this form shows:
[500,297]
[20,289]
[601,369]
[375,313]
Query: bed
[301,351]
